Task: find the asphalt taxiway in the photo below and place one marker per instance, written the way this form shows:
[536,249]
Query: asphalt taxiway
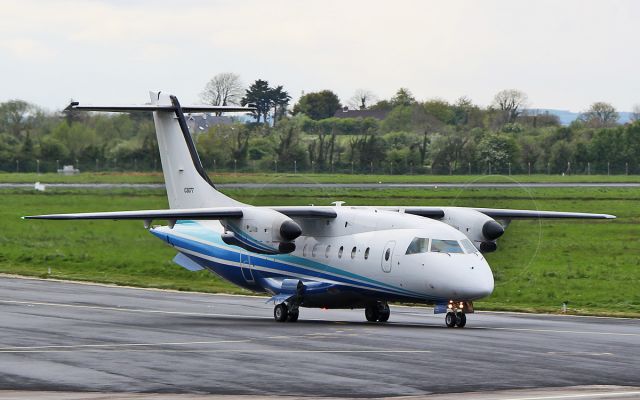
[69,337]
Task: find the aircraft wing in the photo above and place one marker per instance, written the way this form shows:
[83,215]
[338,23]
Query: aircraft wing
[500,213]
[306,211]
[174,214]
[196,214]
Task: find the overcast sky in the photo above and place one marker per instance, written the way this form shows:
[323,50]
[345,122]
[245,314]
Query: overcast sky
[564,54]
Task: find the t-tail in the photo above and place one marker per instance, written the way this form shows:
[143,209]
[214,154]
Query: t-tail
[187,183]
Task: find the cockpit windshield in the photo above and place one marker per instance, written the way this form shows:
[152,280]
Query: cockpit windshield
[468,246]
[418,245]
[421,245]
[445,246]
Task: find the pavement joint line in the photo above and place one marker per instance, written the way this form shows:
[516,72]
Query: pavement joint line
[578,396]
[102,345]
[578,353]
[495,328]
[134,310]
[122,350]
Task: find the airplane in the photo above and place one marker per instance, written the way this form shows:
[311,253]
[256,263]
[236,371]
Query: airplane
[329,257]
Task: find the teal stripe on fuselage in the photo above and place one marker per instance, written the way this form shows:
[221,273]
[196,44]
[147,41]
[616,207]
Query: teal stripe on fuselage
[193,228]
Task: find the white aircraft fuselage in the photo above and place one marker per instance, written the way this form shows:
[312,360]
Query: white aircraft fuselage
[363,251]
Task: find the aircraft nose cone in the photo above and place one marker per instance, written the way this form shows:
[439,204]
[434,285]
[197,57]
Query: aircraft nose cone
[289,230]
[485,285]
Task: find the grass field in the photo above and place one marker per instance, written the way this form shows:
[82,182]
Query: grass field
[230,177]
[594,265]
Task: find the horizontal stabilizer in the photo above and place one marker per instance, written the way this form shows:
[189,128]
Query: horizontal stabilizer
[157,107]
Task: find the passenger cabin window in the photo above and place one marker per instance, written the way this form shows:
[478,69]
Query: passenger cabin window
[418,245]
[353,252]
[314,251]
[304,250]
[326,252]
[469,248]
[366,253]
[340,250]
[445,246]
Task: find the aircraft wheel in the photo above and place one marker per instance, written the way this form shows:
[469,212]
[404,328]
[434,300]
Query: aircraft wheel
[280,312]
[450,319]
[461,320]
[371,313]
[293,316]
[384,313]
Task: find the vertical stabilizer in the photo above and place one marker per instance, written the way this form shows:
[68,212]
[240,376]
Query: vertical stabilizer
[188,185]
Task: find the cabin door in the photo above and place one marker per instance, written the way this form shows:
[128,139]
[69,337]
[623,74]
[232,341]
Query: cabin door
[387,256]
[246,267]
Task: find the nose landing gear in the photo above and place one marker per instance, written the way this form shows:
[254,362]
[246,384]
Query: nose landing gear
[458,319]
[456,313]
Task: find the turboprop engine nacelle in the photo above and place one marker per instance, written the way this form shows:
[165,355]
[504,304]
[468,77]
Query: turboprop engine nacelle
[262,230]
[483,231]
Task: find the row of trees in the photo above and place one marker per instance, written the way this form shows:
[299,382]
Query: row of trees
[432,136]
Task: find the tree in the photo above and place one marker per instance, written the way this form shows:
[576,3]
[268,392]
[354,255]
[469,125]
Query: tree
[497,150]
[318,105]
[266,98]
[222,90]
[403,97]
[280,100]
[259,94]
[362,99]
[511,102]
[440,109]
[600,115]
[15,116]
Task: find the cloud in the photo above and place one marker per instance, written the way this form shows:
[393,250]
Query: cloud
[564,54]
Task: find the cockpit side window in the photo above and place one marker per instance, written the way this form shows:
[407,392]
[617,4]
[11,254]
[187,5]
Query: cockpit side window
[418,245]
[469,248]
[445,246]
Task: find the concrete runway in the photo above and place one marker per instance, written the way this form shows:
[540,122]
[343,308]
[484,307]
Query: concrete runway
[60,336]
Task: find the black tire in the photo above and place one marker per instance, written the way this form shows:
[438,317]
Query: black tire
[461,320]
[450,319]
[280,312]
[371,313]
[384,313]
[293,316]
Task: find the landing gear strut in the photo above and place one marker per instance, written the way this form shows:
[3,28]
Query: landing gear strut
[283,312]
[377,312]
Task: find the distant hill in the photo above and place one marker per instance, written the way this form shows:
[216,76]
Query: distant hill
[567,117]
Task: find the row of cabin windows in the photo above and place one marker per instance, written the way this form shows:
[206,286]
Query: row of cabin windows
[316,250]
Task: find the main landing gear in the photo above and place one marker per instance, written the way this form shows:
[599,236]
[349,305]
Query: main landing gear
[377,312]
[284,313]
